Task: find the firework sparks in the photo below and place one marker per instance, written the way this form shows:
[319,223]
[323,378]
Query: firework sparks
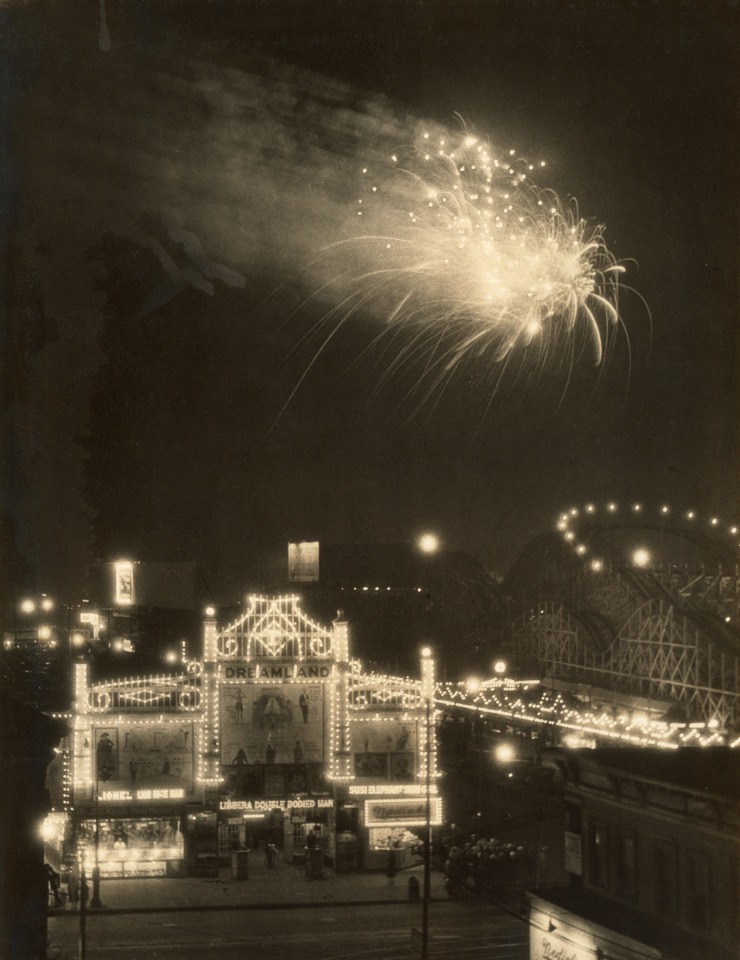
[458,248]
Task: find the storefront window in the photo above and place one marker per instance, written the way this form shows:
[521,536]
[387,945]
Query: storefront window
[388,838]
[598,855]
[666,878]
[697,889]
[625,874]
[132,847]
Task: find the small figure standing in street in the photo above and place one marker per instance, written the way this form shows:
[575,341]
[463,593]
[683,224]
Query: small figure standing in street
[53,881]
[73,885]
[271,855]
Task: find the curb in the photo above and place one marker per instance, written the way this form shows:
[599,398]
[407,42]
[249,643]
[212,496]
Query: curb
[200,908]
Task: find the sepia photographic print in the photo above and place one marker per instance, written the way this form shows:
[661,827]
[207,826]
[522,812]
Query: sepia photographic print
[370,518]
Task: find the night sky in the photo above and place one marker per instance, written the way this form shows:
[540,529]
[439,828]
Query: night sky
[168,184]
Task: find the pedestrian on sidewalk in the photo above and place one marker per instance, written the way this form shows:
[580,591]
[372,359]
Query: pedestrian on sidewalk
[52,878]
[271,856]
[73,886]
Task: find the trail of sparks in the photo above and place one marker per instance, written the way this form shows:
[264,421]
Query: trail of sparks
[457,248]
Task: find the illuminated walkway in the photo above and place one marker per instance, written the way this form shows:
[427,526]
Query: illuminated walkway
[527,702]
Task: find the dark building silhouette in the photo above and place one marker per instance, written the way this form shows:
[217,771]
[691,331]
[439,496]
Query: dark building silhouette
[399,598]
[27,739]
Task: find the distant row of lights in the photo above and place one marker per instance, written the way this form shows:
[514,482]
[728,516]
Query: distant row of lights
[378,589]
[640,556]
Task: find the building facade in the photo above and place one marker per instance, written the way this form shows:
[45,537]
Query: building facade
[652,849]
[275,735]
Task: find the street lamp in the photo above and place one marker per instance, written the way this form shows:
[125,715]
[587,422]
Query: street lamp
[428,690]
[82,942]
[641,557]
[102,772]
[77,640]
[96,901]
[504,753]
[429,543]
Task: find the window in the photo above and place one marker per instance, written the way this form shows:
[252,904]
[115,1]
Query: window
[597,855]
[625,873]
[666,878]
[696,886]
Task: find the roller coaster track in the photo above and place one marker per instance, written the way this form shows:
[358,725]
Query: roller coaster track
[633,631]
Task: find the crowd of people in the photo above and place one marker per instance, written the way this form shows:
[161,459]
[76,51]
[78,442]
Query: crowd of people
[486,863]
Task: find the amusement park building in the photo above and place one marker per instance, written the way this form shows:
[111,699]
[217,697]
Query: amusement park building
[652,851]
[275,734]
[634,606]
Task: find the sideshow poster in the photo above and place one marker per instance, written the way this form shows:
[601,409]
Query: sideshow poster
[384,750]
[272,724]
[135,757]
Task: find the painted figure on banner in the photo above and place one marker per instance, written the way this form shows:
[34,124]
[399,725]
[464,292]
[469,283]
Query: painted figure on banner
[238,707]
[289,712]
[106,756]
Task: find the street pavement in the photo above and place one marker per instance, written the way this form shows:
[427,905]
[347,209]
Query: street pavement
[282,886]
[280,914]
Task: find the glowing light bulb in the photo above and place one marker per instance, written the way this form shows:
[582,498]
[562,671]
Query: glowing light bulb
[504,753]
[429,543]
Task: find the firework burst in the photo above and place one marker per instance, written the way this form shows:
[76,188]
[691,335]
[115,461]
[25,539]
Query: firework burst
[457,250]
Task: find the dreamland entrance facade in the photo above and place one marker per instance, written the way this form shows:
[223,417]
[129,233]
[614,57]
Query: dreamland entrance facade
[274,736]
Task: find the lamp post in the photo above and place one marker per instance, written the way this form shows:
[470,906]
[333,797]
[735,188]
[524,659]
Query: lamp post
[102,772]
[427,692]
[82,942]
[427,840]
[96,902]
